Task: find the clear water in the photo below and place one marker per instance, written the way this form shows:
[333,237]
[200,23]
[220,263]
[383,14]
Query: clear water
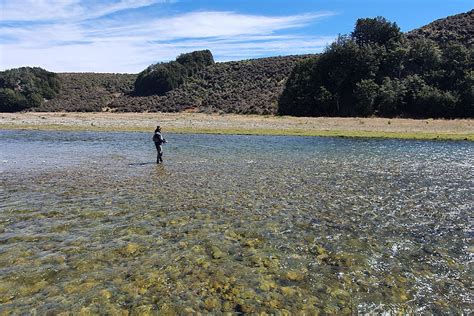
[88,223]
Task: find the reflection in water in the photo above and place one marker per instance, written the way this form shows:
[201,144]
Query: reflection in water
[233,223]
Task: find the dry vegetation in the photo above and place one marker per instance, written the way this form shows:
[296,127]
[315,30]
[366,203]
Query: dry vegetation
[243,124]
[88,92]
[243,87]
[458,28]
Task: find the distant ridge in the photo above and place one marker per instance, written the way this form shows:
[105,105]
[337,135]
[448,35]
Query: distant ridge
[456,28]
[245,87]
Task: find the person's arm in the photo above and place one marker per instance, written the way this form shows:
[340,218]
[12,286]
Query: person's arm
[162,139]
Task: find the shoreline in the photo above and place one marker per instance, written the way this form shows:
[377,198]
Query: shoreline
[186,122]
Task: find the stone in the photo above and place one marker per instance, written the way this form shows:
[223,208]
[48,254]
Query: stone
[216,253]
[294,276]
[211,303]
[288,291]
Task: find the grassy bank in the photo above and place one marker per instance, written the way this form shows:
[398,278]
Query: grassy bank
[243,124]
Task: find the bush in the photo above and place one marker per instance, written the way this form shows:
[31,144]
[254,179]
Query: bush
[24,88]
[160,78]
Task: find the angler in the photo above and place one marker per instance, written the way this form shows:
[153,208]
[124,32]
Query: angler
[159,141]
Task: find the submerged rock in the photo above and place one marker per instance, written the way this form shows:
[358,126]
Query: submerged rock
[131,249]
[294,275]
[216,252]
[212,303]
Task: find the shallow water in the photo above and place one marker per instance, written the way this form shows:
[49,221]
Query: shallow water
[88,223]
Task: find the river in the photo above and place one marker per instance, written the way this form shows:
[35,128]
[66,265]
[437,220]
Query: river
[89,223]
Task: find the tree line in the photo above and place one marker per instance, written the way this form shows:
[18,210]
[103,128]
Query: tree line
[377,71]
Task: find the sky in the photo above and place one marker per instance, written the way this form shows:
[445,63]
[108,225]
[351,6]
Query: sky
[125,36]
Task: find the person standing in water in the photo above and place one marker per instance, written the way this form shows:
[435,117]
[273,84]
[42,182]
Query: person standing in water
[159,141]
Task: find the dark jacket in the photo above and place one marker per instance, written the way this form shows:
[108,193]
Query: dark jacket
[158,138]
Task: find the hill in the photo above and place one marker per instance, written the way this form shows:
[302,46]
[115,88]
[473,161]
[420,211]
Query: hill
[88,92]
[456,28]
[26,87]
[247,87]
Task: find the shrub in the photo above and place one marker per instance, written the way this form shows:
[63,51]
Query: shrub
[160,78]
[26,87]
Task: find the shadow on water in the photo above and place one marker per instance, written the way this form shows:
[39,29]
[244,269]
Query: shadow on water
[139,164]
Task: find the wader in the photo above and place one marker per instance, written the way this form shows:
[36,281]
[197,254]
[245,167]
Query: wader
[159,140]
[159,149]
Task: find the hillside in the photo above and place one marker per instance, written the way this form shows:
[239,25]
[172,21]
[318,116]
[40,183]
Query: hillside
[26,87]
[88,92]
[249,86]
[457,28]
[246,87]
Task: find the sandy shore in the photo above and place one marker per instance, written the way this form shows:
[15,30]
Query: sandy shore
[243,124]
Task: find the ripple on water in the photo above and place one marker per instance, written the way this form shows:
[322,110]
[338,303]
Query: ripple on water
[233,223]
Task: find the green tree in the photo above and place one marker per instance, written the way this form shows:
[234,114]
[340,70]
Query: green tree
[12,101]
[423,57]
[196,61]
[455,60]
[163,77]
[375,31]
[365,93]
[377,70]
[465,106]
[423,100]
[339,69]
[297,97]
[26,87]
[326,102]
[391,97]
[393,61]
[160,78]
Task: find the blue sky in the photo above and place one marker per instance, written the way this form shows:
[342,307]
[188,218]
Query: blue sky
[128,35]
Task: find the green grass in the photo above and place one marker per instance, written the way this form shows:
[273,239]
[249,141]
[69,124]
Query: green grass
[256,131]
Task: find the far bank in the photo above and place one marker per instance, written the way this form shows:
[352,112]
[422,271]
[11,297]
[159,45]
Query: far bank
[243,124]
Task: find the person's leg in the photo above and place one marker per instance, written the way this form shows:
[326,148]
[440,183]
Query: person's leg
[160,154]
[158,149]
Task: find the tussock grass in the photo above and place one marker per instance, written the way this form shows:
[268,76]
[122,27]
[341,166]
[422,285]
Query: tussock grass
[242,124]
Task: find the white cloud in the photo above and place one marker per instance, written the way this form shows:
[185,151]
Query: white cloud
[129,58]
[120,6]
[72,10]
[36,10]
[204,25]
[40,36]
[110,45]
[211,24]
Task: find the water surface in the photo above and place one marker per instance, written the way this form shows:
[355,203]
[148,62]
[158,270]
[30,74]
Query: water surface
[88,223]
